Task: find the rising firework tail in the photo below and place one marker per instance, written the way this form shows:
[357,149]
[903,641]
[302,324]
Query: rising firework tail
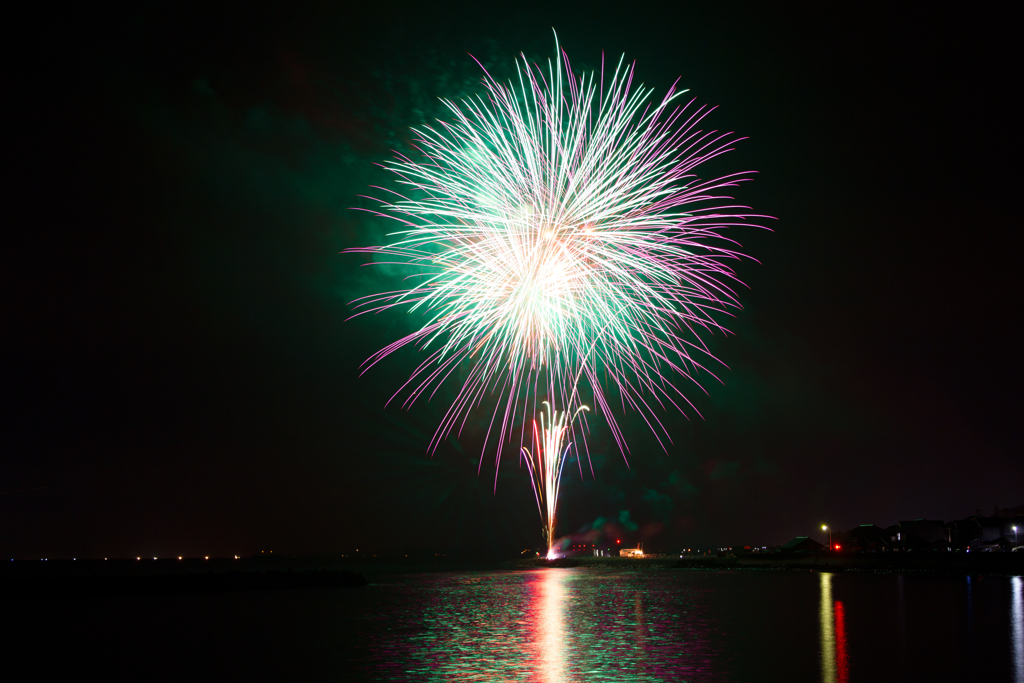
[560,242]
[545,463]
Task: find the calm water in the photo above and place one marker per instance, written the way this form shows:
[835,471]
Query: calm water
[552,626]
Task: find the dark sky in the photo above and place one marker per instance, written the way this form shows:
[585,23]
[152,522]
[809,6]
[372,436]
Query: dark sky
[180,377]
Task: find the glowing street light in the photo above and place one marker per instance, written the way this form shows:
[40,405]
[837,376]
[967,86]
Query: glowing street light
[1014,535]
[823,528]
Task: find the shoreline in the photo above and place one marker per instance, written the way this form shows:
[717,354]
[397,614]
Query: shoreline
[962,564]
[33,579]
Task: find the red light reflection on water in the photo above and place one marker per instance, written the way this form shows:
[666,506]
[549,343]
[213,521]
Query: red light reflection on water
[842,658]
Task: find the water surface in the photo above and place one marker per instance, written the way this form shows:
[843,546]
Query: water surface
[557,626]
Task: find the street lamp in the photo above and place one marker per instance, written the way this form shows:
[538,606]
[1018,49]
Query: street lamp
[1014,535]
[823,528]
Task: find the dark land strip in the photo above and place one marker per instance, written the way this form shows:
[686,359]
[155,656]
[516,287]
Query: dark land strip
[989,564]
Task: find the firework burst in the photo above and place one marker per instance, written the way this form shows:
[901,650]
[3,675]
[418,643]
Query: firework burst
[562,246]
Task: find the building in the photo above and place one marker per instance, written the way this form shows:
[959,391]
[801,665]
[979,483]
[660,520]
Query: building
[988,533]
[961,533]
[917,534]
[631,552]
[927,530]
[866,538]
[801,544]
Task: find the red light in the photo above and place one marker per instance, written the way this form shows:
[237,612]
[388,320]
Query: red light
[837,546]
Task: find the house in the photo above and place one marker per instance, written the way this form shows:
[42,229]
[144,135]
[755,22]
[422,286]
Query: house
[866,538]
[993,532]
[801,544]
[916,534]
[962,533]
[927,530]
[994,528]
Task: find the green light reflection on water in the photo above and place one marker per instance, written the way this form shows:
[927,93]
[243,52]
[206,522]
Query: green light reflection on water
[552,626]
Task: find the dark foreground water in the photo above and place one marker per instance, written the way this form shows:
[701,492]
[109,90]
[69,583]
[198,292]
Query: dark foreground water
[547,625]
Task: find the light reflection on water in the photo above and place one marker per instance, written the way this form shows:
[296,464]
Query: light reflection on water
[551,626]
[828,641]
[549,635]
[1017,627]
[569,625]
[548,626]
[835,664]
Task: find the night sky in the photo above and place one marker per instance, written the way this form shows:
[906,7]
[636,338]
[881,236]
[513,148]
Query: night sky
[180,379]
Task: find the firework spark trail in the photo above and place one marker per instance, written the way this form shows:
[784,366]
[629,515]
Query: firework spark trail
[559,236]
[545,465]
